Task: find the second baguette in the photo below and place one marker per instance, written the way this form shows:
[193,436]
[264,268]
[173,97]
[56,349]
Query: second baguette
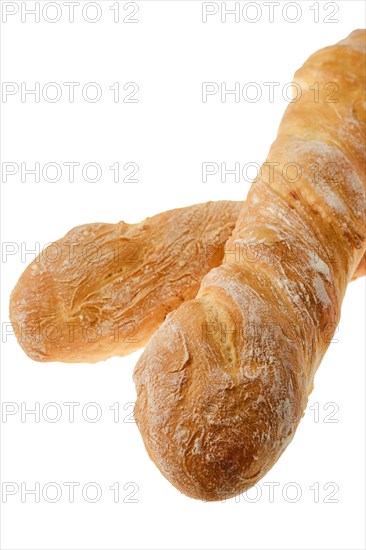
[103,289]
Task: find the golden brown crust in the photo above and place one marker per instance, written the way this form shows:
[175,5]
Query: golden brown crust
[224,382]
[103,289]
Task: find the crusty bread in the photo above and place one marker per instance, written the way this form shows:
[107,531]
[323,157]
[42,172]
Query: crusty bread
[224,382]
[103,289]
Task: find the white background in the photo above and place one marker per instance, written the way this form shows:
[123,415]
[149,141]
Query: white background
[169,133]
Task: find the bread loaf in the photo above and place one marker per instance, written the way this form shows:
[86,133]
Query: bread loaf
[103,289]
[224,382]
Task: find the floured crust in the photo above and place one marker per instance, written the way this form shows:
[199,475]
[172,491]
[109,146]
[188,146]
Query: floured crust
[103,289]
[224,382]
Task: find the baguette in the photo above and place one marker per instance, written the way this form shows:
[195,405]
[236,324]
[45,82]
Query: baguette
[103,289]
[224,382]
